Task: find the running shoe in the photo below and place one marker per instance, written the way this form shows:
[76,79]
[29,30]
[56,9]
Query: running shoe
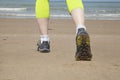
[43,47]
[83,50]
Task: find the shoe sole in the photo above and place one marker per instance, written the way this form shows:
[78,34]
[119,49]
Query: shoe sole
[43,50]
[83,48]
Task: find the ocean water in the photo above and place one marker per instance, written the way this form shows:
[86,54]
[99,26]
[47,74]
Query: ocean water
[93,10]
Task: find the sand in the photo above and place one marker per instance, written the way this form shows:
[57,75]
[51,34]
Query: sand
[20,60]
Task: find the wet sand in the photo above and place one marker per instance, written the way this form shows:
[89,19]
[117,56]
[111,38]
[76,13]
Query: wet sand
[20,60]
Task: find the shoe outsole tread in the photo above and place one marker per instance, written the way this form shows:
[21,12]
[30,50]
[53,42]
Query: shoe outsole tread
[83,48]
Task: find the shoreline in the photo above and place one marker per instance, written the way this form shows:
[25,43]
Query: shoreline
[86,19]
[60,19]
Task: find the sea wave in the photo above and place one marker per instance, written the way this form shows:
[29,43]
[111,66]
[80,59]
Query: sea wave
[16,15]
[13,9]
[87,16]
[102,15]
[60,16]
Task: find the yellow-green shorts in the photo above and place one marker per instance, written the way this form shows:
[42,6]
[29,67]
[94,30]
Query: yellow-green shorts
[43,7]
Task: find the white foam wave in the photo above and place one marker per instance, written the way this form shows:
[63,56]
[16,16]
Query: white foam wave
[60,15]
[14,15]
[87,16]
[110,15]
[102,15]
[13,9]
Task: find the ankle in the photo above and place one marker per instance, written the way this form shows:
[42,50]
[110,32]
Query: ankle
[44,38]
[80,26]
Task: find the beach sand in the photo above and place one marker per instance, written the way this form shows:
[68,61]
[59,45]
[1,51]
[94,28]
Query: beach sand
[20,60]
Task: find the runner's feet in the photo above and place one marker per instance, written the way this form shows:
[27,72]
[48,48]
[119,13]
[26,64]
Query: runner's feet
[83,51]
[43,47]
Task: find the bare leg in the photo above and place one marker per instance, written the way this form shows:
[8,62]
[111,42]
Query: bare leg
[43,25]
[43,43]
[78,16]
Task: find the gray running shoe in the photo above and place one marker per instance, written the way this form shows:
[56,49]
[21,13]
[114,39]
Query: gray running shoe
[43,47]
[83,51]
